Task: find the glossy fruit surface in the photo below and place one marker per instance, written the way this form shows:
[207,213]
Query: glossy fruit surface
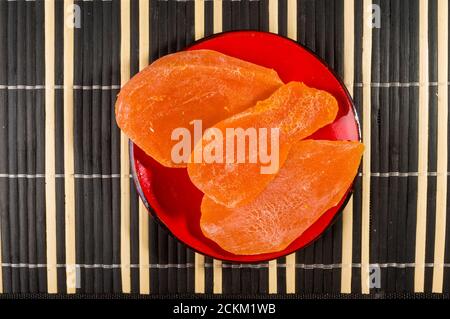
[313,179]
[182,87]
[252,155]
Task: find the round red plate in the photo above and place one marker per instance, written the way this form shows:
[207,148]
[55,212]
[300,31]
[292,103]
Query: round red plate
[175,201]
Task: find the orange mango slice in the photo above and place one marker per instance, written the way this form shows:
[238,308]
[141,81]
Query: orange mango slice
[186,86]
[294,110]
[314,178]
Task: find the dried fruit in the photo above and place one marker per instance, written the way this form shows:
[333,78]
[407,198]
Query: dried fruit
[294,110]
[314,178]
[185,86]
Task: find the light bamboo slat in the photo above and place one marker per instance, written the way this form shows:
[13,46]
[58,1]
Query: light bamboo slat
[292,19]
[144,249]
[125,241]
[347,216]
[442,148]
[50,187]
[422,181]
[292,34]
[366,75]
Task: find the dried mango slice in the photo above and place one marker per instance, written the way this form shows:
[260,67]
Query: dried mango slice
[186,86]
[295,110]
[314,178]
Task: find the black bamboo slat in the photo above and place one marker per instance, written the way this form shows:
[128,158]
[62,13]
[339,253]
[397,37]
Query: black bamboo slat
[79,47]
[30,114]
[282,17]
[172,260]
[115,146]
[106,256]
[236,283]
[226,278]
[209,17]
[403,144]
[21,147]
[209,275]
[182,275]
[12,150]
[384,136]
[319,27]
[245,14]
[301,21]
[254,15]
[190,23]
[87,232]
[262,285]
[163,240]
[281,274]
[40,149]
[357,189]
[264,15]
[236,19]
[248,276]
[246,280]
[12,146]
[300,271]
[337,60]
[394,154]
[154,27]
[171,26]
[226,15]
[96,209]
[375,190]
[181,24]
[333,15]
[254,280]
[310,30]
[4,165]
[134,210]
[412,144]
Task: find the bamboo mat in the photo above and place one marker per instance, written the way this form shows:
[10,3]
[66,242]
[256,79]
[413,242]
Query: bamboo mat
[70,217]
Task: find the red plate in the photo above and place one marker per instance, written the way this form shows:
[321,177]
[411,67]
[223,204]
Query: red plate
[168,192]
